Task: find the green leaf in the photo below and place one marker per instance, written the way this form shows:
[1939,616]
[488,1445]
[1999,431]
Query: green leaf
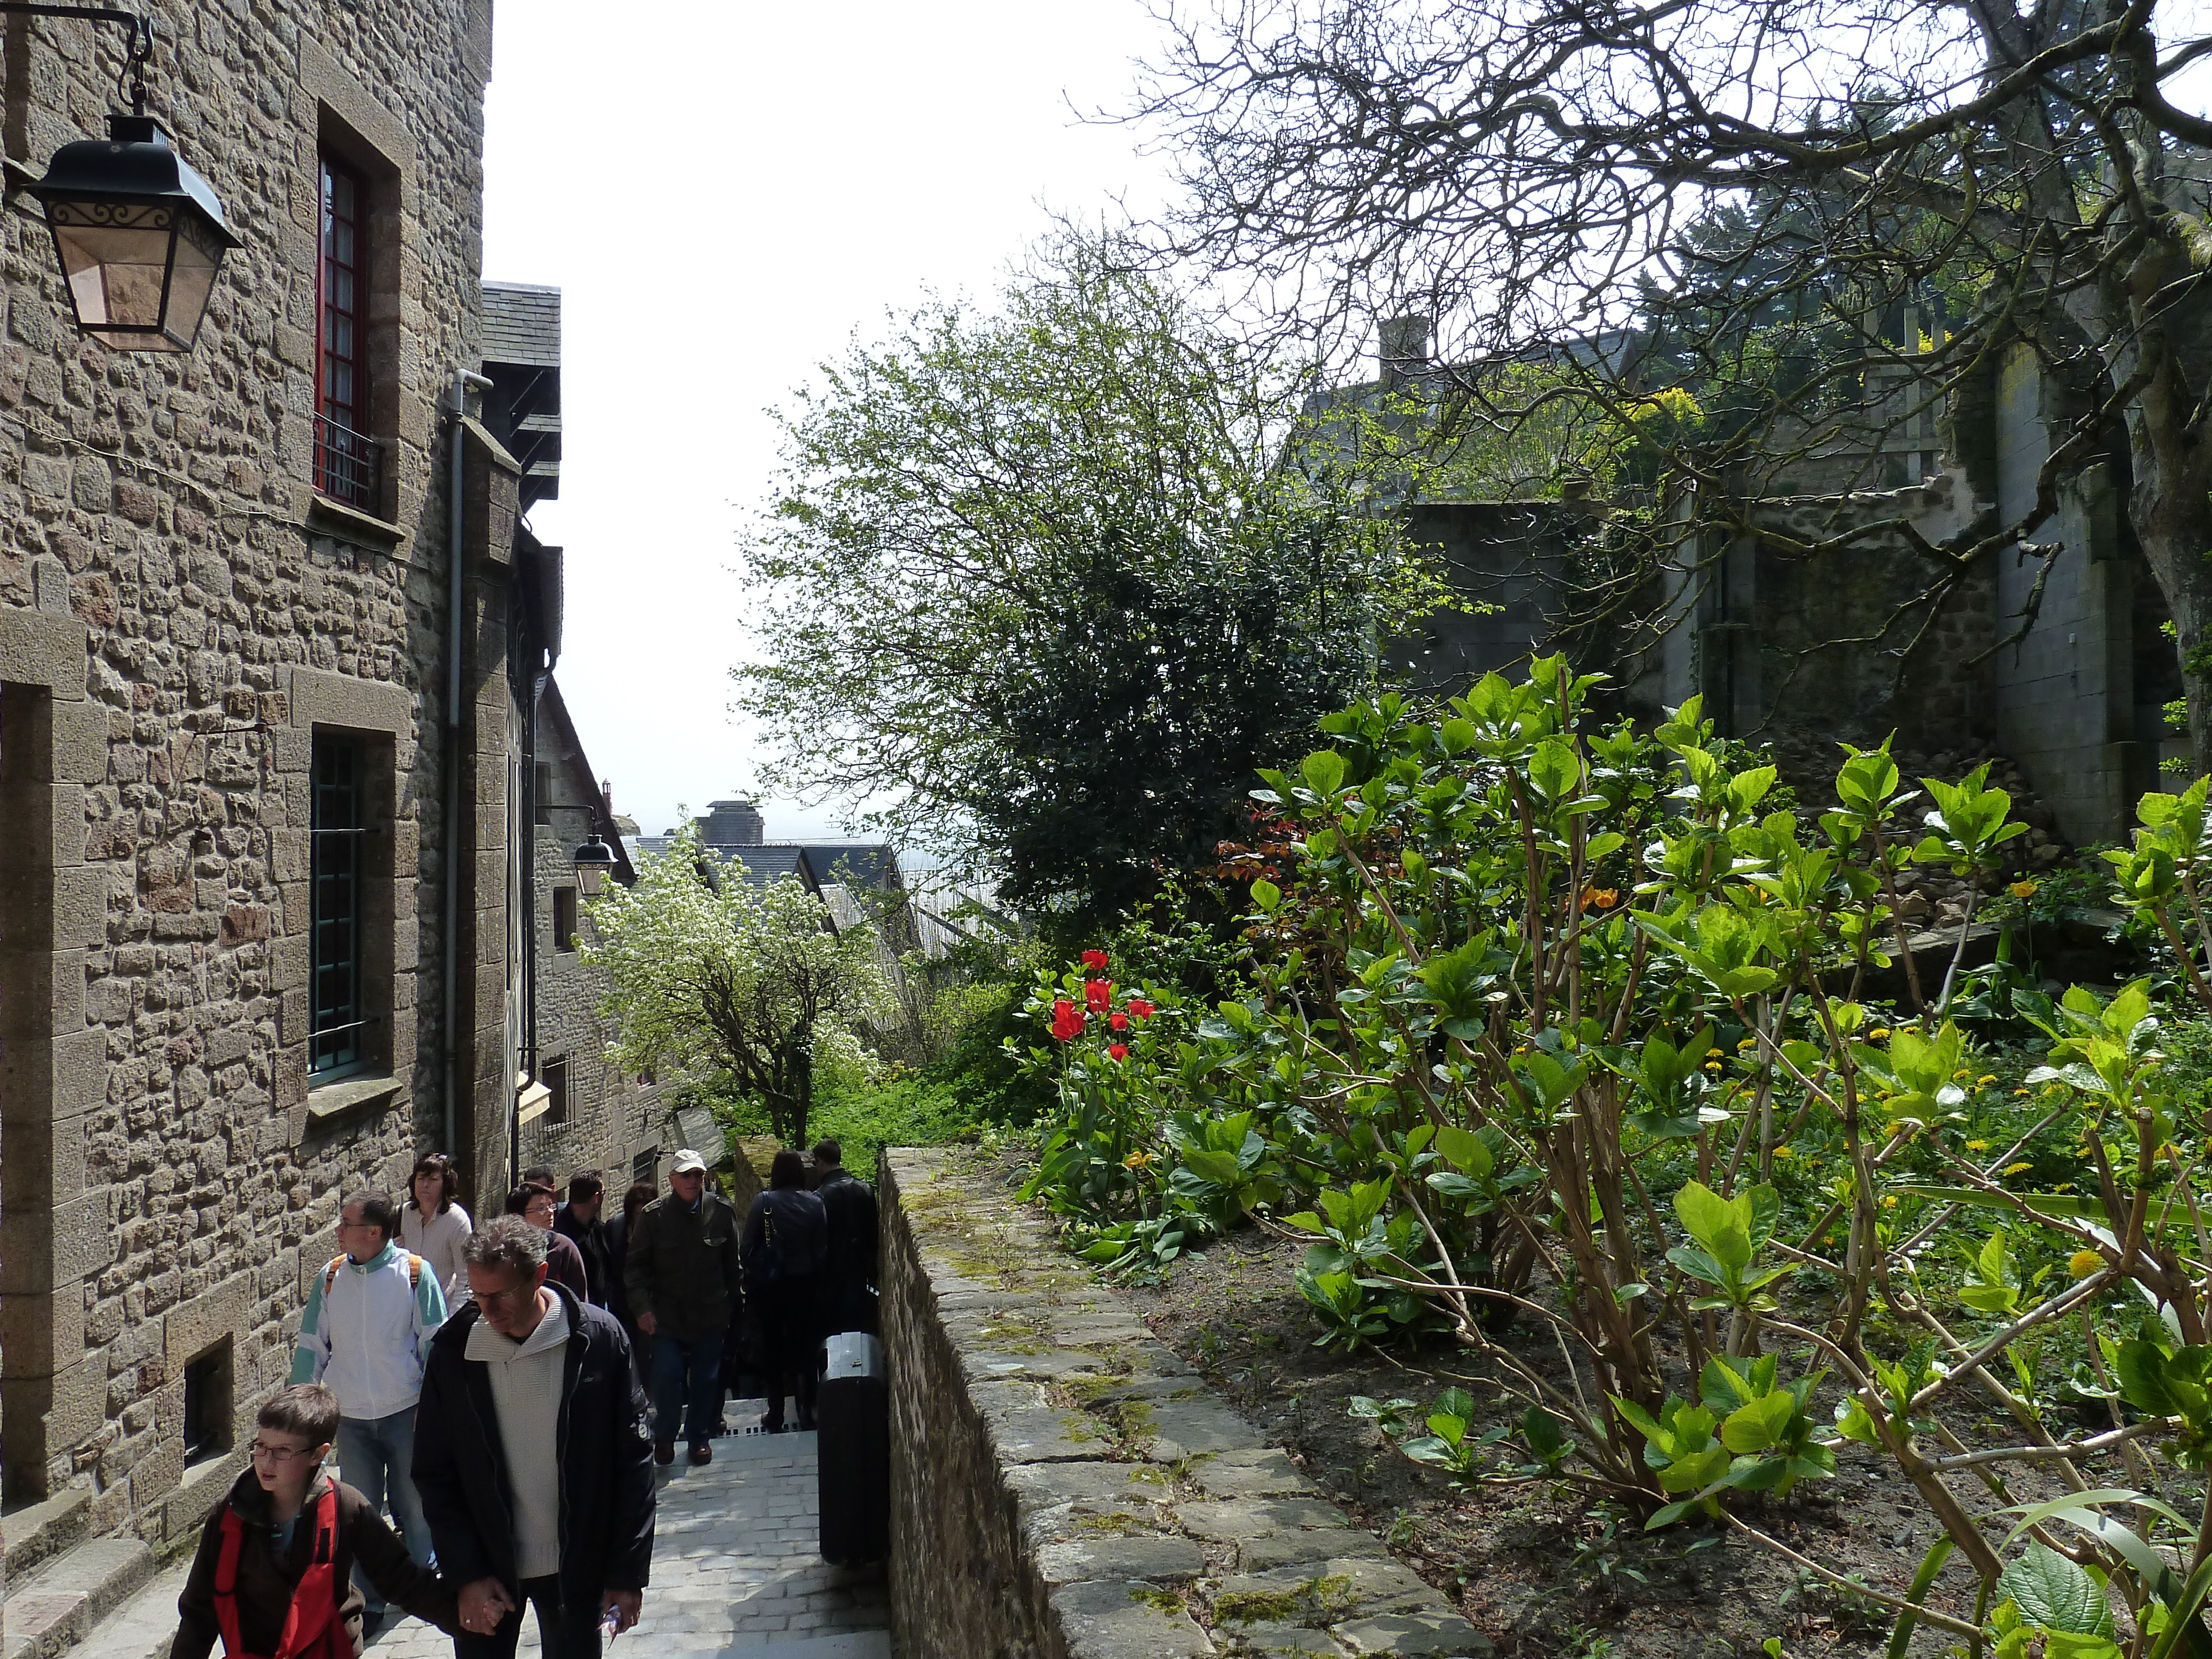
[1900,1635]
[1759,1426]
[1541,1429]
[1323,771]
[2056,1592]
[1267,895]
[1464,1150]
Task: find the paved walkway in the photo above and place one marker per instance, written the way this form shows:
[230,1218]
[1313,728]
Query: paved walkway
[734,1573]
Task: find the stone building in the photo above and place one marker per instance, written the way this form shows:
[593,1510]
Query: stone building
[260,935]
[578,1112]
[1808,651]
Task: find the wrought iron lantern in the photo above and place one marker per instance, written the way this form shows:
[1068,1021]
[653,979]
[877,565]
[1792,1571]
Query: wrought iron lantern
[140,235]
[594,860]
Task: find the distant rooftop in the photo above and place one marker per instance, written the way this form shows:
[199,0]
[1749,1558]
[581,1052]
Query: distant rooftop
[522,324]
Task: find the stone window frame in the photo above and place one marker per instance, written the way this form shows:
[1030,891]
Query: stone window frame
[340,119]
[55,1233]
[379,717]
[564,938]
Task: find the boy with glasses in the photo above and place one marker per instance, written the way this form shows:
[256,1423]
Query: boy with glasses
[273,1576]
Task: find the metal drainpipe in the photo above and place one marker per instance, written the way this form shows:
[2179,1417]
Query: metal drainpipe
[462,380]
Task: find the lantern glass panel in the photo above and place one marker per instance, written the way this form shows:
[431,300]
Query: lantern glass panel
[590,877]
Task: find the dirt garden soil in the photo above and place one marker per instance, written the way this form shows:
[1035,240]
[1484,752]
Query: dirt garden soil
[1533,1563]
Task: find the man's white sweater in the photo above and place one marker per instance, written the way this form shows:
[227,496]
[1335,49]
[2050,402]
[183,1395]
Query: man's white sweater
[525,1397]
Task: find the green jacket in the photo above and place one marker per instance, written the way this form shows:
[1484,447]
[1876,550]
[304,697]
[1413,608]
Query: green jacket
[683,1266]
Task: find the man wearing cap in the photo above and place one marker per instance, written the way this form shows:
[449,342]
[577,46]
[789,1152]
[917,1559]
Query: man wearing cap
[685,1282]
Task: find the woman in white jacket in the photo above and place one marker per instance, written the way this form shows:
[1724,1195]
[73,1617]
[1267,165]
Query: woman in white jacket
[436,1227]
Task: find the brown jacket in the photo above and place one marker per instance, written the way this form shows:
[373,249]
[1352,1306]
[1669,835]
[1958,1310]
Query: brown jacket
[266,1582]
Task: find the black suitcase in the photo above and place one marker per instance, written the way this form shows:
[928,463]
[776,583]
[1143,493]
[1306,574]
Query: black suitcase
[853,1455]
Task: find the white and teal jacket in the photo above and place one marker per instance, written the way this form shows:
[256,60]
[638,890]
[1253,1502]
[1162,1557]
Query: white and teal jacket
[368,1329]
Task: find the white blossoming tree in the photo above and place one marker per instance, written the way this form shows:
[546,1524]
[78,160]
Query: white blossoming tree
[708,972]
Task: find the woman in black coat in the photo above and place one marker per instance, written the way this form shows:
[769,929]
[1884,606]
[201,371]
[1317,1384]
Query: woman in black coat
[784,1247]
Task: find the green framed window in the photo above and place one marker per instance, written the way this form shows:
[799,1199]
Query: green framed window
[336,1042]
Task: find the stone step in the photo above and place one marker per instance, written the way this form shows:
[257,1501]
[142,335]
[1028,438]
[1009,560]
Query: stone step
[60,1605]
[145,1625]
[36,1532]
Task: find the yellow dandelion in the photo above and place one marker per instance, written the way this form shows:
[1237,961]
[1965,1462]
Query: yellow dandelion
[1712,1065]
[1716,1053]
[2021,889]
[1881,1033]
[2014,1169]
[1961,1075]
[2022,1094]
[1978,1146]
[2083,1263]
[1889,1202]
[1748,1043]
[1985,1082]
[1783,1151]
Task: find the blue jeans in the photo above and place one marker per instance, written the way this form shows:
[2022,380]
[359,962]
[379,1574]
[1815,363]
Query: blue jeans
[373,1455]
[702,1360]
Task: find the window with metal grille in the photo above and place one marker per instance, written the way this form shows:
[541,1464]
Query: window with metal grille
[564,918]
[335,1044]
[645,1165]
[554,1076]
[345,458]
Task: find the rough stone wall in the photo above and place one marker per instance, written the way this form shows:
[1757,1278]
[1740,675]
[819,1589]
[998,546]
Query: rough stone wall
[2070,711]
[171,1183]
[610,1116]
[1064,1487]
[1837,648]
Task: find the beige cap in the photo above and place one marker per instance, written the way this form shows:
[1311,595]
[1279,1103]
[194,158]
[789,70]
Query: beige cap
[686,1161]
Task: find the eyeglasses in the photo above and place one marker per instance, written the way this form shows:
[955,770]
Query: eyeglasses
[278,1454]
[509,1298]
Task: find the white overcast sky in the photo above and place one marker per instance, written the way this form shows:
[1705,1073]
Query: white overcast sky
[723,193]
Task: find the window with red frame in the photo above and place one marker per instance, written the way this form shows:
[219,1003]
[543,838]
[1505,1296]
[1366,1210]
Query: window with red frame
[345,458]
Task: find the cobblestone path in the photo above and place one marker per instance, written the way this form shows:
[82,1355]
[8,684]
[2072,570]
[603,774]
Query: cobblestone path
[734,1573]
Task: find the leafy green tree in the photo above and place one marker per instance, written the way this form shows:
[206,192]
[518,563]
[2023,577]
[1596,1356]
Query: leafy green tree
[708,974]
[1037,580]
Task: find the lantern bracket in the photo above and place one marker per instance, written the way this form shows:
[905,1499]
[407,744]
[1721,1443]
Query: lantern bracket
[133,78]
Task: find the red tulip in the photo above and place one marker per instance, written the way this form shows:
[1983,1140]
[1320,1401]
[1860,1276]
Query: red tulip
[1119,1050]
[1141,1008]
[1094,961]
[1120,1022]
[1067,1020]
[1099,994]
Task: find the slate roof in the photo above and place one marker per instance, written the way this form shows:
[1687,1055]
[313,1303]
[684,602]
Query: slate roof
[522,324]
[764,864]
[870,864]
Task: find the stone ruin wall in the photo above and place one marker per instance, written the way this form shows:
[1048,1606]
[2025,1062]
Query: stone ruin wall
[1063,1486]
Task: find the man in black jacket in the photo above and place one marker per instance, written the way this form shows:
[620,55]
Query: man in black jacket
[531,1458]
[849,1274]
[686,1286]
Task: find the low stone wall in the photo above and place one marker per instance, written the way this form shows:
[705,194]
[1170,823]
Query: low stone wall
[1064,1487]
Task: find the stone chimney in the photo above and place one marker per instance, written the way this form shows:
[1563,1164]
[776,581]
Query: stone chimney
[607,798]
[733,823]
[1402,348]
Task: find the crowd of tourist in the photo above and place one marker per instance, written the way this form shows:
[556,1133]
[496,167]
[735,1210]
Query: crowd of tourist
[485,1387]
